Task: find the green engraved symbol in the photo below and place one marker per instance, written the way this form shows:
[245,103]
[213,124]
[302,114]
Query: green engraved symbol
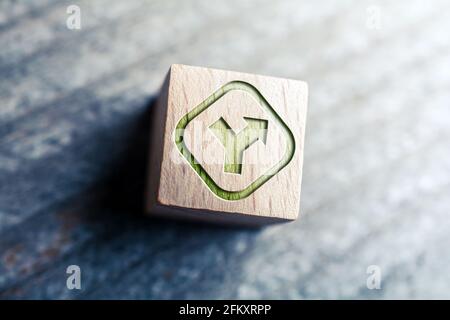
[273,117]
[236,144]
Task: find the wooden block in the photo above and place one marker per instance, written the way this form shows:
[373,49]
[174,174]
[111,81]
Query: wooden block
[227,147]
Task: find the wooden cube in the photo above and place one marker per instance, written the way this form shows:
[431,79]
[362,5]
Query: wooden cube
[227,147]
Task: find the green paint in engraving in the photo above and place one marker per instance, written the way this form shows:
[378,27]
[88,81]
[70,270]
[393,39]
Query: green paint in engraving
[236,144]
[212,185]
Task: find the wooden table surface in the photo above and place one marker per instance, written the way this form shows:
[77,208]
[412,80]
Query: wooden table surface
[74,128]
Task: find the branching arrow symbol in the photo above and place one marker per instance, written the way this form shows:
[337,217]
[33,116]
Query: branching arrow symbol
[235,144]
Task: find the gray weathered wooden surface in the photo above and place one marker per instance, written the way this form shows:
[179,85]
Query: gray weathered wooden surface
[73,138]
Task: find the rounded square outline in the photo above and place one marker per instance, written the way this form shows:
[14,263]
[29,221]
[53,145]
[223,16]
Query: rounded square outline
[205,177]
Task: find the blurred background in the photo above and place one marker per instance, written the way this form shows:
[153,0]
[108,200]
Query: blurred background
[74,126]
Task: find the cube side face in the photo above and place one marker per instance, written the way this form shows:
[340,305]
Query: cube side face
[201,174]
[157,126]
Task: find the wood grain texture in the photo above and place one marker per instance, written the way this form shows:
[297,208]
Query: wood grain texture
[269,168]
[74,133]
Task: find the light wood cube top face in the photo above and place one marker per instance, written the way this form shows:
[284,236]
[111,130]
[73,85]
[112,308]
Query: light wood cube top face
[232,143]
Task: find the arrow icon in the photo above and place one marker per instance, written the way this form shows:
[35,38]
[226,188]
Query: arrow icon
[235,144]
